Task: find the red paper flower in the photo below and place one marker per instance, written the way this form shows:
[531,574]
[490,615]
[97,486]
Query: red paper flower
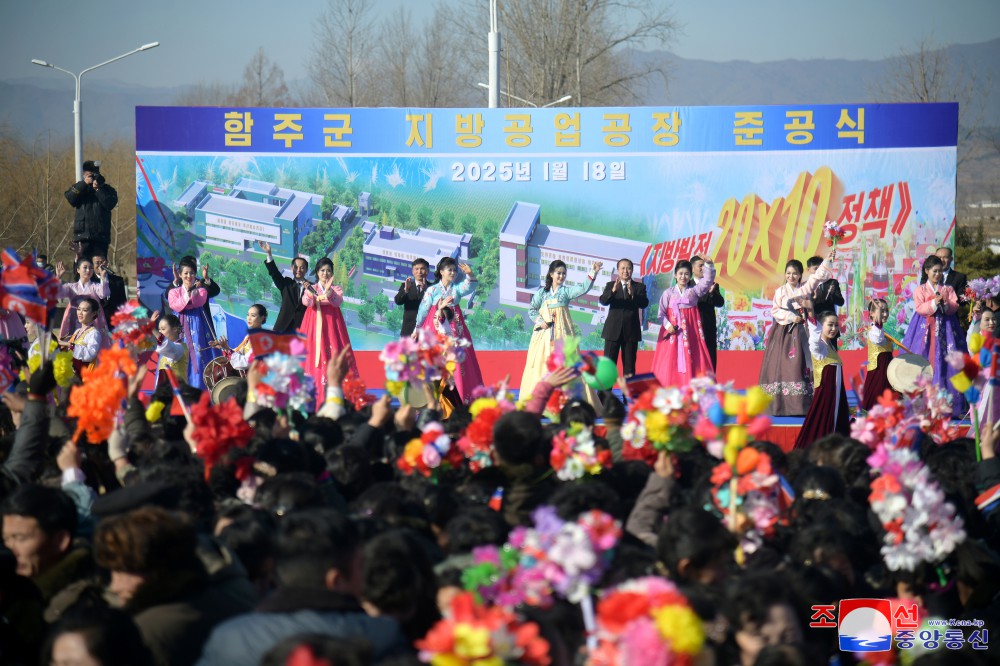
[218,429]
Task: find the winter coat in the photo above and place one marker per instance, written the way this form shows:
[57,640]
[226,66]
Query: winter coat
[93,211]
[290,611]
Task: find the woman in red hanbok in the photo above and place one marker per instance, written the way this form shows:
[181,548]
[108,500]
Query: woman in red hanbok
[681,353]
[324,327]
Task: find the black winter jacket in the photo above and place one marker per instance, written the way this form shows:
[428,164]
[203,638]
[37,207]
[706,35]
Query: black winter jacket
[93,211]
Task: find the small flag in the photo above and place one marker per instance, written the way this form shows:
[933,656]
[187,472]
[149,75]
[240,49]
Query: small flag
[496,500]
[989,500]
[269,342]
[636,385]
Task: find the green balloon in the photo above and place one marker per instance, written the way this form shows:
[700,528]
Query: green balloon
[605,375]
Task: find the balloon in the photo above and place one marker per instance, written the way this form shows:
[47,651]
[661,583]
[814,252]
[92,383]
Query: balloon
[605,375]
[747,460]
[716,414]
[757,401]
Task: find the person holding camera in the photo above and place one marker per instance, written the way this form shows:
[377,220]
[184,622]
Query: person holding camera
[93,200]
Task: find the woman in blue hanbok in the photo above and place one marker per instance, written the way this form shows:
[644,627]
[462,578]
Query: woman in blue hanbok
[550,316]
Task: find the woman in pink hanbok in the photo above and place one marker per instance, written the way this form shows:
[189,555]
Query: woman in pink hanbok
[77,291]
[188,303]
[324,326]
[681,353]
[934,330]
[441,309]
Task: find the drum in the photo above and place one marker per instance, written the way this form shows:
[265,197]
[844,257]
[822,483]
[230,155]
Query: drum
[225,389]
[905,369]
[217,370]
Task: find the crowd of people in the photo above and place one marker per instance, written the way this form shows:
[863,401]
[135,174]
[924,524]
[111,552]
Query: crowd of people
[568,527]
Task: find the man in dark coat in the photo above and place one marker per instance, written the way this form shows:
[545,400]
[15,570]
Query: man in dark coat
[949,275]
[706,308]
[291,288]
[410,294]
[93,200]
[624,297]
[319,576]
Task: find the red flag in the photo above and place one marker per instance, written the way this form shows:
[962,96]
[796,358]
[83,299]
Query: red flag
[269,342]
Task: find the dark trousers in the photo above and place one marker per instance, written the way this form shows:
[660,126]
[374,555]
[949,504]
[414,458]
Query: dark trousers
[629,348]
[91,248]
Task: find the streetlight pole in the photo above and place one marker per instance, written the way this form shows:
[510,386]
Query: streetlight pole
[494,62]
[564,98]
[77,111]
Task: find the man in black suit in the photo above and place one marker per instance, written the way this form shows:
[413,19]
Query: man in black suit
[622,328]
[410,294]
[291,288]
[949,276]
[827,297]
[706,308]
[116,286]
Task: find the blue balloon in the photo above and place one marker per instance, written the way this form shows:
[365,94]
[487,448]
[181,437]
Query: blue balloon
[716,414]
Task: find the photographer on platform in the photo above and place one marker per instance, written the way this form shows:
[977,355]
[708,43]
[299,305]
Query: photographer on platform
[93,200]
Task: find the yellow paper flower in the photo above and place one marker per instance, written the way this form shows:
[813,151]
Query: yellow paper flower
[757,401]
[961,382]
[154,411]
[481,404]
[62,367]
[413,450]
[737,437]
[975,343]
[732,403]
[395,388]
[681,627]
[472,642]
[656,427]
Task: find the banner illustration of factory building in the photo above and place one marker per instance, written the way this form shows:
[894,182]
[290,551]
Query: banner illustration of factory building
[510,190]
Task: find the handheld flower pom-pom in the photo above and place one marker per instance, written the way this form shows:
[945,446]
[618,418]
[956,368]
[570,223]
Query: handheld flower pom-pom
[471,634]
[646,622]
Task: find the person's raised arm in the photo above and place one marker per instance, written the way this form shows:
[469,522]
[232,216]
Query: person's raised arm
[588,284]
[704,285]
[335,295]
[425,304]
[75,193]
[817,348]
[107,196]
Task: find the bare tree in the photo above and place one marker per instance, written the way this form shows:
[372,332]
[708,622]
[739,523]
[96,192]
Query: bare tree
[928,74]
[443,72]
[557,47]
[263,83]
[397,46]
[341,64]
[214,93]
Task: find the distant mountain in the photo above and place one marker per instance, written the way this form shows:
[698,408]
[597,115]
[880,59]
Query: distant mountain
[34,106]
[705,83]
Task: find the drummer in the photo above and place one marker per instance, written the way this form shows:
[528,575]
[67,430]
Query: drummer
[241,357]
[171,350]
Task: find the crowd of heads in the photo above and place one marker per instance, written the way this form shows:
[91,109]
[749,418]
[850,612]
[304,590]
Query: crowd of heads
[310,541]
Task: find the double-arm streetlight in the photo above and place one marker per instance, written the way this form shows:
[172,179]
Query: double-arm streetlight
[77,119]
[564,98]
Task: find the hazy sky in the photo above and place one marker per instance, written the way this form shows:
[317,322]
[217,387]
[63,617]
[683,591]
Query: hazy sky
[212,40]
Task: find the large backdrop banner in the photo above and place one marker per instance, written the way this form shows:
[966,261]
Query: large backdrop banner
[510,190]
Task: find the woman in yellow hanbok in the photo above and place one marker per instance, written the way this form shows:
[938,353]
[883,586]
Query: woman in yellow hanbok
[549,311]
